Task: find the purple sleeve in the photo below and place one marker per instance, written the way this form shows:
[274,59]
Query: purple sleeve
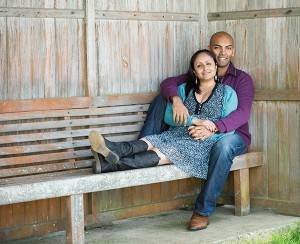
[169,86]
[245,94]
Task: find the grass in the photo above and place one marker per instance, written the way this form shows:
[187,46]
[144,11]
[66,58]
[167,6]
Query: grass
[287,236]
[290,236]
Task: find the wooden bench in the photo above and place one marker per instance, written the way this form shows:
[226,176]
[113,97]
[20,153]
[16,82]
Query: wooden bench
[44,153]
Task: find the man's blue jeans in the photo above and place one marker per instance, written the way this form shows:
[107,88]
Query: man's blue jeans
[154,123]
[220,161]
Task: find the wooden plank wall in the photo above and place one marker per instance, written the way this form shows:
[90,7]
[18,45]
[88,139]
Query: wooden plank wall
[64,48]
[47,50]
[267,46]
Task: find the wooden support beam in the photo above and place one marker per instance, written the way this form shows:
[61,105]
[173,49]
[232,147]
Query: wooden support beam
[241,192]
[75,219]
[90,48]
[254,14]
[152,16]
[277,95]
[99,14]
[42,13]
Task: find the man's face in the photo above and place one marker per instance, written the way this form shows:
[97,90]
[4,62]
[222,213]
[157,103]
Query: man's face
[222,47]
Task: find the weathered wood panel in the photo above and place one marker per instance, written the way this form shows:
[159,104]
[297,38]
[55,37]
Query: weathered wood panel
[186,6]
[3,59]
[46,57]
[143,53]
[67,4]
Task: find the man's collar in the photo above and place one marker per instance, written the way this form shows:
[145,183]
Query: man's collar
[231,70]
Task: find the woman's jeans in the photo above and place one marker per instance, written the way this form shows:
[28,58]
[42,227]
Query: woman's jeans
[220,161]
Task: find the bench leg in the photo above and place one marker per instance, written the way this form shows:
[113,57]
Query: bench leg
[75,219]
[241,192]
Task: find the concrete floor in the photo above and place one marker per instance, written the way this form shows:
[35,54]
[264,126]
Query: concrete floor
[169,227]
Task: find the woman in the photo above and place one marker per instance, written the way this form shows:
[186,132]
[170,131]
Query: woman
[205,99]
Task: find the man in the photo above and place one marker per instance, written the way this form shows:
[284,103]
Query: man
[223,152]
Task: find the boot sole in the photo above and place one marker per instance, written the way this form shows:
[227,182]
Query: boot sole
[97,164]
[98,145]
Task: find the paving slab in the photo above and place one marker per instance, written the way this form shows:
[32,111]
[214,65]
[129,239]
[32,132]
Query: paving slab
[170,227]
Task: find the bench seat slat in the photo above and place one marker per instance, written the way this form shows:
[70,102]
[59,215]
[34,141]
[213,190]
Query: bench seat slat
[73,112]
[68,134]
[92,183]
[248,160]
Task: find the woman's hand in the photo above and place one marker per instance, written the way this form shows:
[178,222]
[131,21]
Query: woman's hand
[180,112]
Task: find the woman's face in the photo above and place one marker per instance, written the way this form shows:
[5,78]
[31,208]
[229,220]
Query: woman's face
[205,67]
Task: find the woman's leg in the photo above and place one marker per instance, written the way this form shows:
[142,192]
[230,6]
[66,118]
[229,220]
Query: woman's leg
[113,151]
[162,158]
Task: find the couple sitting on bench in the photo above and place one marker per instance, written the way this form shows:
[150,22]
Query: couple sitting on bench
[207,113]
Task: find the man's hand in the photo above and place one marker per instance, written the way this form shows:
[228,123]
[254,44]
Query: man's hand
[206,123]
[209,125]
[180,112]
[199,132]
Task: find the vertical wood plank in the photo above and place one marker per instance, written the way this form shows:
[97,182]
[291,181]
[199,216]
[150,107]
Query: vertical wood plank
[294,151]
[3,59]
[70,68]
[272,150]
[75,219]
[283,152]
[91,89]
[241,192]
[18,212]
[3,3]
[155,192]
[31,212]
[54,209]
[6,216]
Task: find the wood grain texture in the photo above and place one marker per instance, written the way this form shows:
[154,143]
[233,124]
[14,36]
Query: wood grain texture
[241,192]
[75,219]
[45,57]
[91,88]
[253,14]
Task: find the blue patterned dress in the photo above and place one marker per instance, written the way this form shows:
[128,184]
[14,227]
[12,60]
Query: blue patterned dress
[189,155]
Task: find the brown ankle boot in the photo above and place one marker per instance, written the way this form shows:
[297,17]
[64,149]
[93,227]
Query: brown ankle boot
[198,222]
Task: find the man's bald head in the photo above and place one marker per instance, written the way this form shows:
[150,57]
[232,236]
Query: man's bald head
[221,44]
[220,34]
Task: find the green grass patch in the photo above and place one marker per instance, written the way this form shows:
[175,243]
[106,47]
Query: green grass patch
[290,235]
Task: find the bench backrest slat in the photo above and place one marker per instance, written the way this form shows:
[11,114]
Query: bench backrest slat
[44,168]
[56,124]
[50,135]
[73,112]
[68,134]
[16,106]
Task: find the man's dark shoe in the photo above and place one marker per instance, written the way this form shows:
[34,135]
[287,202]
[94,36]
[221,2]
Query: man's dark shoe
[198,222]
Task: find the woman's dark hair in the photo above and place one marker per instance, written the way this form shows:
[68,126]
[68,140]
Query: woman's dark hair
[191,84]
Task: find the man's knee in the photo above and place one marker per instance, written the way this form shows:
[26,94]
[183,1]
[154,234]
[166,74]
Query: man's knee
[223,146]
[228,147]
